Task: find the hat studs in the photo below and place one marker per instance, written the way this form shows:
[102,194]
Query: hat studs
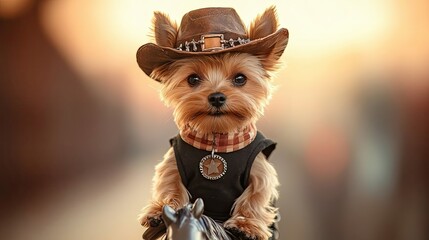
[210,43]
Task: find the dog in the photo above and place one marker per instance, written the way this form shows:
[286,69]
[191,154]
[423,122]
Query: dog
[217,76]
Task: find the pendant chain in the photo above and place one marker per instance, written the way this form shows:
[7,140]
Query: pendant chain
[213,145]
[209,165]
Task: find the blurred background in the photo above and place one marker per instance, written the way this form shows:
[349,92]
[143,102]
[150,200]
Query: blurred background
[81,127]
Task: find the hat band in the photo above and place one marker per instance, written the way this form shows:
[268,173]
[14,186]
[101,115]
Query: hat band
[210,43]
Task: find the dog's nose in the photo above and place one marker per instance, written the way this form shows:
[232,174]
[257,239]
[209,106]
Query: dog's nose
[217,99]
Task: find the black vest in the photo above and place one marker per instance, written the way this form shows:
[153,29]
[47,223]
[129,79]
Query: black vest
[218,195]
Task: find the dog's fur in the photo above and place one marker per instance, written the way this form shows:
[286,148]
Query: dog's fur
[252,212]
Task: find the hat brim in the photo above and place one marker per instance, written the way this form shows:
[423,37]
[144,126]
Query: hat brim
[151,56]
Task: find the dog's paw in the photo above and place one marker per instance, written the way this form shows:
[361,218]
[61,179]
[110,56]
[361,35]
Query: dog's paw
[151,216]
[238,234]
[155,221]
[153,233]
[247,228]
[151,221]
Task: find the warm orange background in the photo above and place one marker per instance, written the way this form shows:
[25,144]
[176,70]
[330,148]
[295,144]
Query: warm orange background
[81,127]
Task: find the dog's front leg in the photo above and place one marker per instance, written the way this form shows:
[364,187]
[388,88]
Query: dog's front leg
[167,190]
[253,212]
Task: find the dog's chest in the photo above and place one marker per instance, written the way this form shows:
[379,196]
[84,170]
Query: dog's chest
[218,180]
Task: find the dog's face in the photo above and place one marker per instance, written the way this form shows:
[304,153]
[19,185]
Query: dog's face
[219,93]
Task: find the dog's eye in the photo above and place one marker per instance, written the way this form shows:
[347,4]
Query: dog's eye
[194,80]
[239,80]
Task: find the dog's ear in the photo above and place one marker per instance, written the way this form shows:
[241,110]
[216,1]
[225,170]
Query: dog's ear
[270,59]
[164,30]
[264,24]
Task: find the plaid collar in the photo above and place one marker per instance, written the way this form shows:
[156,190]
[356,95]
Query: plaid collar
[223,142]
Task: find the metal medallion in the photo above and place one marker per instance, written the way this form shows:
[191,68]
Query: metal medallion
[213,166]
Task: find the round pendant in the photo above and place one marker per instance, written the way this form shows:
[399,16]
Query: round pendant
[213,167]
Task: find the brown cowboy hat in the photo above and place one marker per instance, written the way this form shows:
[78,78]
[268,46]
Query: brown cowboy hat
[209,31]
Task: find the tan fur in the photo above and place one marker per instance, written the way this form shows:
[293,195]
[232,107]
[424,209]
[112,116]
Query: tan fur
[167,189]
[264,24]
[252,212]
[245,104]
[164,30]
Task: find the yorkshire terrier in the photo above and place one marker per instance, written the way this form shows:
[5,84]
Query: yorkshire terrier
[216,75]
